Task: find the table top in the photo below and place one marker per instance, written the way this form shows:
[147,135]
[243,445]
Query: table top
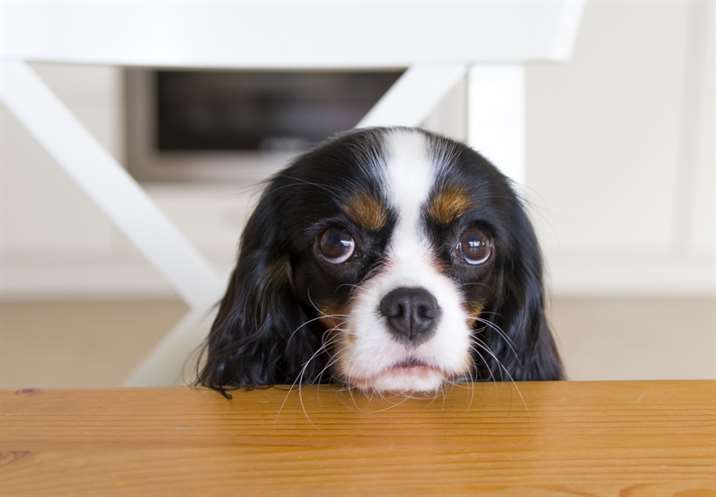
[289,33]
[631,439]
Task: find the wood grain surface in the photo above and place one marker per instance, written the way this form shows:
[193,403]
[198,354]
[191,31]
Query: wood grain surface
[626,439]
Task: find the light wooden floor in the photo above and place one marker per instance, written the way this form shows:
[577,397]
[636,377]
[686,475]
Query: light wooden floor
[96,344]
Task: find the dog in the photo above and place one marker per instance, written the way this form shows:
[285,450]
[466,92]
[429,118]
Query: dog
[387,260]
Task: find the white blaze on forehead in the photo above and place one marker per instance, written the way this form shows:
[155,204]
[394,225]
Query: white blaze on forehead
[408,179]
[410,176]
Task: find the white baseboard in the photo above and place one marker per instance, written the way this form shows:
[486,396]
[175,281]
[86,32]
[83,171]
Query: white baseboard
[99,279]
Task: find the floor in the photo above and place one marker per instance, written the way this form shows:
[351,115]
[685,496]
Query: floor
[96,344]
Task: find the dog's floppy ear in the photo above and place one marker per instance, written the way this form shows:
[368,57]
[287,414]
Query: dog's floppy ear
[529,352]
[248,342]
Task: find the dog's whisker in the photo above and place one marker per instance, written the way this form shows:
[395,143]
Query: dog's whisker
[472,386]
[401,401]
[482,345]
[482,358]
[332,361]
[349,285]
[300,381]
[501,333]
[303,325]
[299,377]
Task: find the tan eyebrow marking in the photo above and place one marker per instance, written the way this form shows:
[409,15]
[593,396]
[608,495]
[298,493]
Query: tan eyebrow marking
[474,308]
[448,205]
[367,211]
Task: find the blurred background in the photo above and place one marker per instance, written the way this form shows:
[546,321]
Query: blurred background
[621,181]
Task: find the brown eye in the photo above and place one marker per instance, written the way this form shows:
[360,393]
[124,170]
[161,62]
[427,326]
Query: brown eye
[475,246]
[336,245]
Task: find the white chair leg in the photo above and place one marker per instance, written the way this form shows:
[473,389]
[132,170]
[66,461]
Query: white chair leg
[172,356]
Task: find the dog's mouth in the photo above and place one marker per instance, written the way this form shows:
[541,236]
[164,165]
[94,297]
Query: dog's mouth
[407,375]
[411,365]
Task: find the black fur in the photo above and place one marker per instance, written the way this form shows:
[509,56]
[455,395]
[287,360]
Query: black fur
[278,281]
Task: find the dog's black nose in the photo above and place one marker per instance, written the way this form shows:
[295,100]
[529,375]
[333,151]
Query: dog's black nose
[412,314]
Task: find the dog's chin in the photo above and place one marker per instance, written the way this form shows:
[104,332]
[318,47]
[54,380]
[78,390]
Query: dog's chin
[401,379]
[416,379]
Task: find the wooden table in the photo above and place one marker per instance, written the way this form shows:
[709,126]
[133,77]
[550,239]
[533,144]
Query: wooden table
[628,439]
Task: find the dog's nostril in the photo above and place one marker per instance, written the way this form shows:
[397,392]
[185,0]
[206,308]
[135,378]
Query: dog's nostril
[392,308]
[399,310]
[426,312]
[411,314]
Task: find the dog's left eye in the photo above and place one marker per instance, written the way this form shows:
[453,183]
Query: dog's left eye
[475,246]
[336,245]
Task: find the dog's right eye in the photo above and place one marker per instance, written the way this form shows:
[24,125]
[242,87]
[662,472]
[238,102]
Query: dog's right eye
[336,245]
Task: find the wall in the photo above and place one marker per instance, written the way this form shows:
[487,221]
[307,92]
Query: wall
[621,170]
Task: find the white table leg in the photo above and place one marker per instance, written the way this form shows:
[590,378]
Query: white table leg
[416,93]
[496,117]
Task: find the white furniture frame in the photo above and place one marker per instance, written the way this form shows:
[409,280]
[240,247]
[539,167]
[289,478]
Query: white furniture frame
[440,42]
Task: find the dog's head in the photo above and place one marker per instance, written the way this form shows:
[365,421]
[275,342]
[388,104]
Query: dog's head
[386,259]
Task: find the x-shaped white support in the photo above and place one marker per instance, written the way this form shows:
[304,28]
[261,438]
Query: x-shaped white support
[495,126]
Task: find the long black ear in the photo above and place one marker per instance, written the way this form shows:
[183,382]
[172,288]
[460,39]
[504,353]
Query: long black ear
[248,344]
[529,351]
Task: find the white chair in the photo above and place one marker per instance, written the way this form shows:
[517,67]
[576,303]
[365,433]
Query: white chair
[439,42]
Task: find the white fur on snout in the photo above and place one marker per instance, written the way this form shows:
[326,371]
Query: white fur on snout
[373,348]
[370,350]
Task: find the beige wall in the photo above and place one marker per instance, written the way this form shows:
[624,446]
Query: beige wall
[621,170]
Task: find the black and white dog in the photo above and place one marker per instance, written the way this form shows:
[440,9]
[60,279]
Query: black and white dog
[386,259]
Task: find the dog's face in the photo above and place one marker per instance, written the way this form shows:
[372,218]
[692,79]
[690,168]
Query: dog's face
[384,259]
[395,257]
